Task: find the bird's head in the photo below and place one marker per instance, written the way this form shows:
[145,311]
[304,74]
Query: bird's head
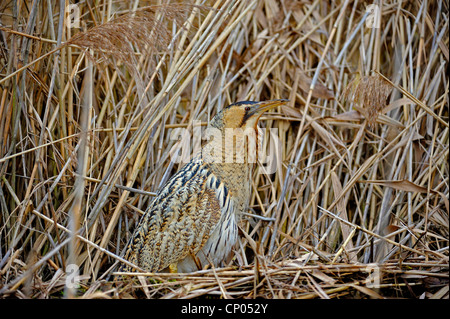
[243,114]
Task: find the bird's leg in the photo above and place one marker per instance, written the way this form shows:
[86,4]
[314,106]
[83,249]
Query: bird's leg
[173,269]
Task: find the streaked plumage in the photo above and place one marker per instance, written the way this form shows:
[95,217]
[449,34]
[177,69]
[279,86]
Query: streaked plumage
[192,221]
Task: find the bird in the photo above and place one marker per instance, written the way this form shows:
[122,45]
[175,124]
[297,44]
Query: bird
[192,222]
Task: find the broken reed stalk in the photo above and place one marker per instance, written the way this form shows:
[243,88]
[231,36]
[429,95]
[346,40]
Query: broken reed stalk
[363,156]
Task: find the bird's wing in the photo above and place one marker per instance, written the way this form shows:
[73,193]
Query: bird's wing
[180,219]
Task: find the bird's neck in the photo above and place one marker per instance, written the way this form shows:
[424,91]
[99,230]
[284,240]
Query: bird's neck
[232,155]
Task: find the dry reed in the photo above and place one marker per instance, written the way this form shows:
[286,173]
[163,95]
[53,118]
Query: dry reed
[357,208]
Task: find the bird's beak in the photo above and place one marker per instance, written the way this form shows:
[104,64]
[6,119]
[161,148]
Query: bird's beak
[262,107]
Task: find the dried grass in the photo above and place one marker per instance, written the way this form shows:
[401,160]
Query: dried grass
[137,32]
[360,196]
[370,95]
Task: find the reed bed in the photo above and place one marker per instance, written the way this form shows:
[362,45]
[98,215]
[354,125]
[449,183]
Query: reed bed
[95,99]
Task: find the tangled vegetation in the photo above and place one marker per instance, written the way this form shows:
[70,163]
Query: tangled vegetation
[91,95]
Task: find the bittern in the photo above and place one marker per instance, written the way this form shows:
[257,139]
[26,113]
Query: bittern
[193,220]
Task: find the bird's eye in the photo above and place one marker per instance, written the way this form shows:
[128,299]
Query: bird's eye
[247,108]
